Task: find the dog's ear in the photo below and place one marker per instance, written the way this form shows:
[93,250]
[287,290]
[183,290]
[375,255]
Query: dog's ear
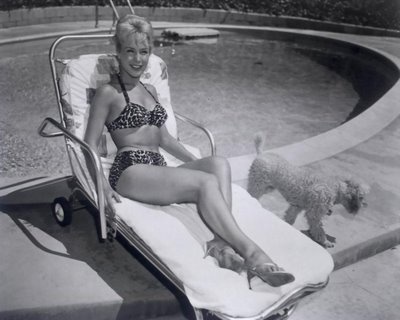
[359,189]
[353,183]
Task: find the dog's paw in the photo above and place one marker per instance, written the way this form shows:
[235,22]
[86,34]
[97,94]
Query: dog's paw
[331,238]
[328,244]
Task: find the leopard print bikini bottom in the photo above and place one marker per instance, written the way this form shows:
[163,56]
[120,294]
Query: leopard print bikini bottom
[126,159]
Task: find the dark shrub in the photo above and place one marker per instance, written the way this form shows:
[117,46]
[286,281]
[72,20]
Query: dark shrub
[375,13]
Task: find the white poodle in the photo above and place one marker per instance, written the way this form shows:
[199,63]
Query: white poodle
[304,190]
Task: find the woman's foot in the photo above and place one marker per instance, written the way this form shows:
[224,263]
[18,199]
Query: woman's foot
[261,265]
[226,257]
[270,273]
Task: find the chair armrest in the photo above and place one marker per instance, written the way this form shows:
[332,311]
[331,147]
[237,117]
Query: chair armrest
[201,127]
[93,158]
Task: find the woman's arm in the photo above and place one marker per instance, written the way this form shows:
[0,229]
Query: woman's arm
[168,142]
[172,146]
[99,110]
[98,113]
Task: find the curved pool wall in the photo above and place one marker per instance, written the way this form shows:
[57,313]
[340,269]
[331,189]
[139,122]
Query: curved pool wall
[371,74]
[351,133]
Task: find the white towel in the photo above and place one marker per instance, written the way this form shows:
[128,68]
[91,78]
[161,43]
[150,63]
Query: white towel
[177,235]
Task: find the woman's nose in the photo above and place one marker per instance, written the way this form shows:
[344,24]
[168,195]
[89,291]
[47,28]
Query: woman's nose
[136,57]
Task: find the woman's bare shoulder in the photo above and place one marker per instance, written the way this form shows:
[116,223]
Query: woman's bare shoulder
[105,94]
[106,89]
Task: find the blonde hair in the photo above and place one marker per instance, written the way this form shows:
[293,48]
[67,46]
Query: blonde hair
[132,24]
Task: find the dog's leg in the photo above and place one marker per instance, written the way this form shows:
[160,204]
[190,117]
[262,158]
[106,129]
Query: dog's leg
[316,231]
[291,214]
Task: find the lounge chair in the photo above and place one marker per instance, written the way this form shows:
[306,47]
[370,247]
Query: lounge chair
[173,237]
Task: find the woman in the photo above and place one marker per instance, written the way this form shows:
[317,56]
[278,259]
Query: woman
[135,120]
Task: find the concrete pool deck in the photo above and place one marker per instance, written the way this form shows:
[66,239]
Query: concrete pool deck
[54,261]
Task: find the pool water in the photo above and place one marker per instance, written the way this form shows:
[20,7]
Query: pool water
[245,84]
[240,85]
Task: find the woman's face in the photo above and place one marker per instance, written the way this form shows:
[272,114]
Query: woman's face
[134,55]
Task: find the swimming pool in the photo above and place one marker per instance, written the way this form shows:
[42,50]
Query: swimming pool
[242,84]
[247,83]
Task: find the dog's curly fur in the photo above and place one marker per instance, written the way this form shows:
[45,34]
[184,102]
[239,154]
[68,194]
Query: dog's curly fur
[304,190]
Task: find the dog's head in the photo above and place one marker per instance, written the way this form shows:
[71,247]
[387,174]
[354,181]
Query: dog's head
[258,179]
[353,195]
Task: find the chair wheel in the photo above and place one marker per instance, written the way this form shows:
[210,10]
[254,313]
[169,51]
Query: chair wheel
[110,237]
[62,211]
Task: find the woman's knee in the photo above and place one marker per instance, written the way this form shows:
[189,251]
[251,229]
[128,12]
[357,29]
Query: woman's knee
[220,165]
[207,183]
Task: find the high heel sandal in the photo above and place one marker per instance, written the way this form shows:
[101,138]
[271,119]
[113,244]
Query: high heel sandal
[226,257]
[273,278]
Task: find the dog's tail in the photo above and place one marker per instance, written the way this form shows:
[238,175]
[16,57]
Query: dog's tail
[259,142]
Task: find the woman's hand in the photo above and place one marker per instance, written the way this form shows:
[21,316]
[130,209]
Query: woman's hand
[110,197]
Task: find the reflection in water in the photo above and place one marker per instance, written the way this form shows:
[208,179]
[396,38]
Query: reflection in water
[162,42]
[173,38]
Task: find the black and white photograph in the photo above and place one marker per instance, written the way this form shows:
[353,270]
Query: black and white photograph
[199,160]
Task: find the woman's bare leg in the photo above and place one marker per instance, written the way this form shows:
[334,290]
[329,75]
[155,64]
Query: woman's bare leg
[218,248]
[219,167]
[166,185]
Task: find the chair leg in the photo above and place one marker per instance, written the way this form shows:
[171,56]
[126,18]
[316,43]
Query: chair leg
[198,314]
[285,313]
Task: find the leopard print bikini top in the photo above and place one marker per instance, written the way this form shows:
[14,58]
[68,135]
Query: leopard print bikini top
[135,115]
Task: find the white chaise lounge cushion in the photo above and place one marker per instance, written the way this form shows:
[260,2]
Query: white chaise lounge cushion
[177,235]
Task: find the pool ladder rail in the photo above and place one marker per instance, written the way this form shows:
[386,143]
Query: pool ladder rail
[114,8]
